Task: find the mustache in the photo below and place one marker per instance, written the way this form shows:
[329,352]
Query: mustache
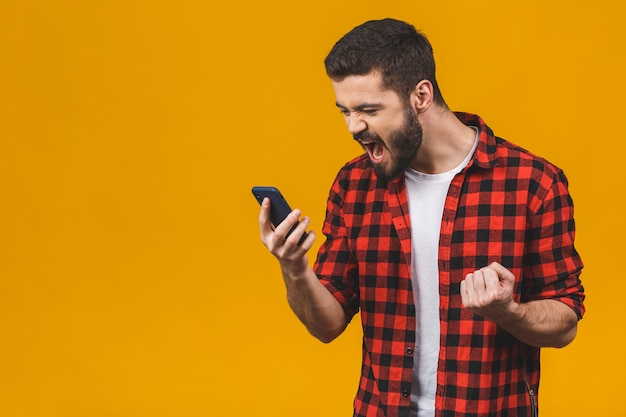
[365,135]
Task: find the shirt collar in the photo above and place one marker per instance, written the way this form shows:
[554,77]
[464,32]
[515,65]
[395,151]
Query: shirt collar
[485,155]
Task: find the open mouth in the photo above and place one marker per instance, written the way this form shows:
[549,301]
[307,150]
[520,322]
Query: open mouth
[375,149]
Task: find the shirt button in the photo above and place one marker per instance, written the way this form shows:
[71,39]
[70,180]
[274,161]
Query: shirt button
[409,351]
[405,392]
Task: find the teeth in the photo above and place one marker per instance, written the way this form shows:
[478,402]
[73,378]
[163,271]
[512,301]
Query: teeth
[377,150]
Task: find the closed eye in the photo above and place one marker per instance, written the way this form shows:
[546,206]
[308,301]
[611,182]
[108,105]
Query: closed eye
[369,112]
[369,109]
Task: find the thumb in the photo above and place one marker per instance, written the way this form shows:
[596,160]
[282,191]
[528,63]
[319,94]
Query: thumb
[504,274]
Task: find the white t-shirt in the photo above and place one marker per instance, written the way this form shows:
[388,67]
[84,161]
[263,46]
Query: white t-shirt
[426,196]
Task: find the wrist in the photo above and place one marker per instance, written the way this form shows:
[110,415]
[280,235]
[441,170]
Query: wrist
[511,315]
[295,272]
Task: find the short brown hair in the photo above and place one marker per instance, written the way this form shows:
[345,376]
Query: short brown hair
[401,54]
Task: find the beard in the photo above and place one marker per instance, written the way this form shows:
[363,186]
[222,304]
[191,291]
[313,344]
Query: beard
[402,146]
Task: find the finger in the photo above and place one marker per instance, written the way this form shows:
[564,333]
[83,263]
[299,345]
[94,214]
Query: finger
[492,283]
[468,294]
[464,294]
[296,233]
[467,284]
[264,218]
[504,274]
[282,230]
[307,244]
[478,282]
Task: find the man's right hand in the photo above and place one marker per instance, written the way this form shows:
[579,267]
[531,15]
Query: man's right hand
[314,305]
[291,256]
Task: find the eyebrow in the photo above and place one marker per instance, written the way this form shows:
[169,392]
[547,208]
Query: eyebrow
[361,106]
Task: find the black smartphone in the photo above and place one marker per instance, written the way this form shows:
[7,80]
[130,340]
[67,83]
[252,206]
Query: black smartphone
[279,209]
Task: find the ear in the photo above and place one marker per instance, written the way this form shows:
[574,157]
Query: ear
[422,96]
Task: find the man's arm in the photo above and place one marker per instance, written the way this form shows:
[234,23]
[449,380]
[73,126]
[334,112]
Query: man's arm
[312,303]
[543,323]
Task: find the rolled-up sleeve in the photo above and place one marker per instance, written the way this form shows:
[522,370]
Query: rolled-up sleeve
[553,266]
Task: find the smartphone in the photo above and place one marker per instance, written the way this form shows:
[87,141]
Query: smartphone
[279,209]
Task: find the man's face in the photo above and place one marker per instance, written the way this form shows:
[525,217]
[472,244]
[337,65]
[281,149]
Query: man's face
[384,125]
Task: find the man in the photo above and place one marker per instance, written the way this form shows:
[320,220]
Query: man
[456,246]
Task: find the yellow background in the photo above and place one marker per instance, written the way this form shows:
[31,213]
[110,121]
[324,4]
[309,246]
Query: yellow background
[132,278]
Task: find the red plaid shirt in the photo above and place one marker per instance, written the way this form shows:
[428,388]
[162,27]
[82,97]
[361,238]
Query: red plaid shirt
[507,206]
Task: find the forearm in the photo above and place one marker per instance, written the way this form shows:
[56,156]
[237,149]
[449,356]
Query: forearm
[544,323]
[315,306]
[312,303]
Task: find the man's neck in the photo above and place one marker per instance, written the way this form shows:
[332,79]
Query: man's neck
[446,141]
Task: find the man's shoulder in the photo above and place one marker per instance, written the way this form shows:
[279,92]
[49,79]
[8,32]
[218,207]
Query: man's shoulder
[511,155]
[359,162]
[494,151]
[357,177]
[359,168]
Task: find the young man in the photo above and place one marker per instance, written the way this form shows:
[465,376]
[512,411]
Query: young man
[456,246]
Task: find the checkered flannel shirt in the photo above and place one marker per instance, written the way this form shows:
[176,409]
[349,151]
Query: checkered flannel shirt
[507,206]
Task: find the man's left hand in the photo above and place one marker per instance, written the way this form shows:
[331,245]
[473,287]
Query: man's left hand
[489,292]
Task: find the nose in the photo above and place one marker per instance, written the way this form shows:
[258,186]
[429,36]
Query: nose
[355,124]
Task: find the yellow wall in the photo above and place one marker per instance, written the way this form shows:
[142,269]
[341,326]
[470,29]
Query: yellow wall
[132,279]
